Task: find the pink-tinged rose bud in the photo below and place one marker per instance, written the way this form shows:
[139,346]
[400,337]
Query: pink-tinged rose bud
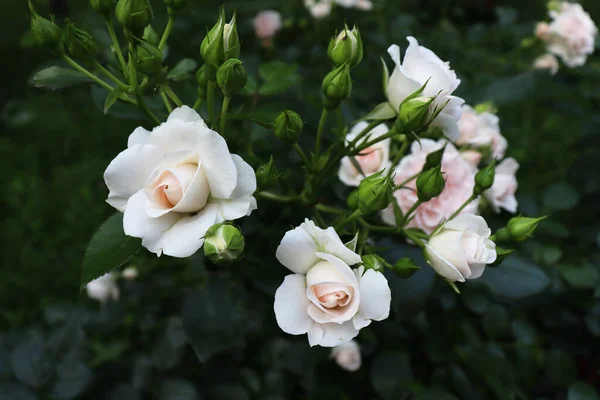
[542,31]
[502,193]
[347,356]
[547,61]
[461,249]
[460,182]
[266,24]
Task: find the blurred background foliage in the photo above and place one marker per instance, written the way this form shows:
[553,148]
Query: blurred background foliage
[186,329]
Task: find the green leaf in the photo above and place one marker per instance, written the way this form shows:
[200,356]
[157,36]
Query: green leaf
[582,391]
[510,90]
[279,77]
[517,278]
[560,196]
[580,276]
[184,69]
[382,112]
[57,78]
[390,374]
[109,249]
[178,389]
[111,99]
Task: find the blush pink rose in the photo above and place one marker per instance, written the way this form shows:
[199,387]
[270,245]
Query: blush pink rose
[460,180]
[266,24]
[481,129]
[502,193]
[547,61]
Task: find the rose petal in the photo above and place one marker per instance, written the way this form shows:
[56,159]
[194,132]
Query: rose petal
[331,335]
[233,209]
[291,305]
[297,251]
[471,222]
[126,174]
[448,125]
[218,164]
[375,295]
[186,236]
[443,267]
[246,178]
[185,114]
[139,136]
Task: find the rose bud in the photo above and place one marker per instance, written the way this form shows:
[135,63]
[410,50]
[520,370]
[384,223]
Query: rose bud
[223,244]
[434,159]
[405,268]
[103,7]
[484,179]
[373,261]
[347,356]
[151,36]
[375,193]
[149,58]
[231,77]
[288,126]
[430,184]
[134,15]
[221,43]
[522,228]
[45,31]
[414,114]
[346,47]
[267,174]
[80,43]
[352,200]
[461,249]
[337,86]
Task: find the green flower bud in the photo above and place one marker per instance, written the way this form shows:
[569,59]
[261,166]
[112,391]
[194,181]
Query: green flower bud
[405,267]
[375,193]
[177,4]
[288,126]
[346,47]
[223,244]
[45,31]
[151,36]
[337,86]
[149,58]
[375,262]
[484,179]
[267,174]
[434,159]
[134,15]
[221,43]
[352,200]
[430,184]
[231,39]
[103,7]
[414,114]
[522,228]
[231,77]
[81,45]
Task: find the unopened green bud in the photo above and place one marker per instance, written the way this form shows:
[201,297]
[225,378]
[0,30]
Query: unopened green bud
[414,114]
[267,174]
[288,126]
[434,159]
[337,86]
[346,47]
[177,4]
[134,15]
[231,77]
[103,7]
[522,228]
[221,43]
[223,244]
[484,179]
[375,193]
[430,184]
[405,267]
[231,39]
[375,262]
[81,44]
[151,36]
[45,31]
[149,58]
[352,200]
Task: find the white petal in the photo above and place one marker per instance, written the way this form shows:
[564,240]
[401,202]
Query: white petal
[291,305]
[175,135]
[139,136]
[137,223]
[400,86]
[233,209]
[329,242]
[475,223]
[126,174]
[443,267]
[246,178]
[342,269]
[218,164]
[185,114]
[413,51]
[448,125]
[508,166]
[375,296]
[422,71]
[186,236]
[332,334]
[394,52]
[297,251]
[477,270]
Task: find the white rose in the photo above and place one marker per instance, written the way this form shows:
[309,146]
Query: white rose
[372,160]
[461,249]
[360,4]
[481,129]
[176,182]
[547,61]
[347,356]
[572,34]
[266,24]
[502,193]
[419,65]
[319,8]
[103,288]
[324,297]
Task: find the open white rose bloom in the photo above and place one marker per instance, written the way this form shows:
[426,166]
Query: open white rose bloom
[421,65]
[174,183]
[462,248]
[325,297]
